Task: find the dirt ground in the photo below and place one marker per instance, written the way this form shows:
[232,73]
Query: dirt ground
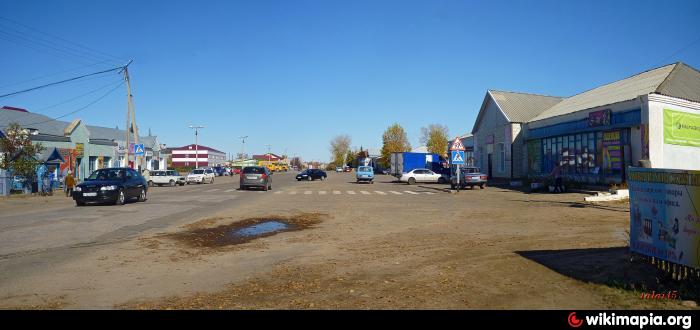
[494,248]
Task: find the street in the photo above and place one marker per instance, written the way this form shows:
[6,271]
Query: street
[382,245]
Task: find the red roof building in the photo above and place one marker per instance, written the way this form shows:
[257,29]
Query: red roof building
[268,156]
[202,156]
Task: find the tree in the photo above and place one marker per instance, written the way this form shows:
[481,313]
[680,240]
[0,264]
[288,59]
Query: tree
[18,151]
[340,145]
[296,162]
[394,140]
[435,137]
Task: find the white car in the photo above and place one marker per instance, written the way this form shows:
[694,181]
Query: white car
[169,177]
[201,175]
[338,169]
[423,175]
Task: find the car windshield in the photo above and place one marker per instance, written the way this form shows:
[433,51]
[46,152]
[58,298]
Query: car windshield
[253,170]
[198,172]
[106,174]
[364,169]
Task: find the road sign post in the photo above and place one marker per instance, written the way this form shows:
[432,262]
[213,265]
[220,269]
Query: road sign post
[457,156]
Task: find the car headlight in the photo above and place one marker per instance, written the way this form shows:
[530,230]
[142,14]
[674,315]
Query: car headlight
[77,188]
[105,188]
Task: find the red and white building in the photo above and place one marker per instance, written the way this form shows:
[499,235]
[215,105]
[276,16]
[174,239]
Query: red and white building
[202,156]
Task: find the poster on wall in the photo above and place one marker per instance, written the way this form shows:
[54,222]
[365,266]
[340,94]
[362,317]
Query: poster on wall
[79,149]
[664,218]
[612,154]
[599,118]
[681,128]
[69,155]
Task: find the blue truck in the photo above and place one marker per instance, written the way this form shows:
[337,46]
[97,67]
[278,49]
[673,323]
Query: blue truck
[403,162]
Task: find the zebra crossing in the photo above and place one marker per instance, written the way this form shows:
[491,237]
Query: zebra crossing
[322,192]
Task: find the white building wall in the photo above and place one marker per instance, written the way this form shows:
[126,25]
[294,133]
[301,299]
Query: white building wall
[664,155]
[493,122]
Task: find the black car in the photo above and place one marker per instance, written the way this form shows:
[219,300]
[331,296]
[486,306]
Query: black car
[311,174]
[114,185]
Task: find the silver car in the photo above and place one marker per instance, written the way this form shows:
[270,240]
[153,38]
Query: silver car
[256,176]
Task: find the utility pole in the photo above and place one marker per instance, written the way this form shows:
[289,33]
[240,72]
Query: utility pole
[269,156]
[196,144]
[243,148]
[130,120]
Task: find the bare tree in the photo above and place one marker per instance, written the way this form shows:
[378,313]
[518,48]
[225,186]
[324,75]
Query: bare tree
[340,145]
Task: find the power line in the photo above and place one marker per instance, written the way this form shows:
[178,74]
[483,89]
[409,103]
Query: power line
[79,96]
[52,74]
[60,82]
[45,44]
[77,110]
[684,48]
[119,60]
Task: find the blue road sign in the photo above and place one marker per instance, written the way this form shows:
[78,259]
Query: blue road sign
[457,157]
[139,150]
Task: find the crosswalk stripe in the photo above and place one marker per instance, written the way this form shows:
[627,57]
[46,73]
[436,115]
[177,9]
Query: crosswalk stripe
[429,193]
[411,192]
[212,190]
[293,192]
[365,192]
[308,192]
[195,190]
[322,192]
[336,192]
[261,192]
[230,190]
[278,192]
[380,192]
[395,192]
[350,192]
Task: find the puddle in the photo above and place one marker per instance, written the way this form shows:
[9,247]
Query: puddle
[245,230]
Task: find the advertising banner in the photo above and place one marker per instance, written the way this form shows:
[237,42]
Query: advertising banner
[664,218]
[681,128]
[599,118]
[612,156]
[79,149]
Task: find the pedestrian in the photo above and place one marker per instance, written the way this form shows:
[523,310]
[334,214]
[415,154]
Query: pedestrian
[69,183]
[556,173]
[146,175]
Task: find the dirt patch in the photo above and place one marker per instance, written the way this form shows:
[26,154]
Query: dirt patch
[242,231]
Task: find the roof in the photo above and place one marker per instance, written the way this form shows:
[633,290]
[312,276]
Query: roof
[199,147]
[113,134]
[676,80]
[265,157]
[521,107]
[43,124]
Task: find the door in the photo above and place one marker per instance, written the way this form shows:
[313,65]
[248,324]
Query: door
[419,175]
[431,176]
[490,168]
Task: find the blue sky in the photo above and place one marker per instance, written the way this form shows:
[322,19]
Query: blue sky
[293,74]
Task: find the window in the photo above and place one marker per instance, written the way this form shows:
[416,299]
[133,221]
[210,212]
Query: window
[502,158]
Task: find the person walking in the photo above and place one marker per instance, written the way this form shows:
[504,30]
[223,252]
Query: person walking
[69,183]
[556,173]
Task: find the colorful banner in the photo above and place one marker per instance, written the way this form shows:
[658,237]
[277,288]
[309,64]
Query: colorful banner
[612,154]
[79,149]
[681,128]
[664,218]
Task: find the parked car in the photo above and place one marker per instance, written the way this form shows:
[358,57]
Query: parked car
[469,177]
[115,185]
[256,176]
[311,174]
[348,169]
[404,162]
[338,169]
[167,177]
[423,175]
[200,175]
[219,171]
[386,171]
[364,174]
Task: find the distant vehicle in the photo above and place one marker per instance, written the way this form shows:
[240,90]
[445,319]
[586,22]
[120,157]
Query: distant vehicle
[219,171]
[364,174]
[200,175]
[115,185]
[236,171]
[470,176]
[423,175]
[168,177]
[386,171]
[405,162]
[311,174]
[338,169]
[348,169]
[256,176]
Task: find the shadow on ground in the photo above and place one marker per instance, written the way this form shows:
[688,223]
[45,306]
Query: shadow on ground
[611,267]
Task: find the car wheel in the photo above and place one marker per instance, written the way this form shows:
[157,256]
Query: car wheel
[120,198]
[441,180]
[482,185]
[412,181]
[150,183]
[212,180]
[172,183]
[79,203]
[269,187]
[298,179]
[142,195]
[371,182]
[452,186]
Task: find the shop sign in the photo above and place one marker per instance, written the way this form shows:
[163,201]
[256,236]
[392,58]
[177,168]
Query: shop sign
[664,218]
[681,128]
[79,149]
[599,118]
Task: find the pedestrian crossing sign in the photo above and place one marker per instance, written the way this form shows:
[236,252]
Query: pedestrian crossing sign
[139,150]
[457,157]
[457,145]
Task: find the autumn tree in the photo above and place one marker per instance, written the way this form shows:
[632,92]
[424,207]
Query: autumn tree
[435,137]
[394,139]
[340,145]
[18,151]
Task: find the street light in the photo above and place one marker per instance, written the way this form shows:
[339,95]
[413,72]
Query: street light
[243,141]
[196,144]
